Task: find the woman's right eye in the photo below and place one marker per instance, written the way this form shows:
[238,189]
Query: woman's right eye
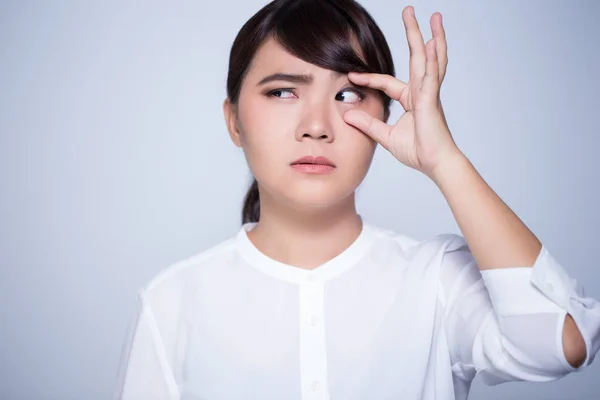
[281,93]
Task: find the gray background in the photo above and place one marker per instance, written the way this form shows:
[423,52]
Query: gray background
[115,161]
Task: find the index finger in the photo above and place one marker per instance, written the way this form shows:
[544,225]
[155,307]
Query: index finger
[390,85]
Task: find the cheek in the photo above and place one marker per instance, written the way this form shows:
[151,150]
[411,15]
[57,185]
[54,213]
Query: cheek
[264,135]
[264,117]
[354,150]
[363,150]
[362,145]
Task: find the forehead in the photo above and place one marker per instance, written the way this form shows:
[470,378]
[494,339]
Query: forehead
[273,57]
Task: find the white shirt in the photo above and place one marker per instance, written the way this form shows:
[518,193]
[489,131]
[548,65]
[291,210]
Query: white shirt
[389,318]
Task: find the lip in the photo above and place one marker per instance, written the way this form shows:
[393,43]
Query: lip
[312,160]
[318,169]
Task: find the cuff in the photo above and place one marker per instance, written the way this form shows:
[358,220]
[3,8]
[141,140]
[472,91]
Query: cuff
[545,288]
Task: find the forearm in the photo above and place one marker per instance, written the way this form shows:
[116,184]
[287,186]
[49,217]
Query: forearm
[495,235]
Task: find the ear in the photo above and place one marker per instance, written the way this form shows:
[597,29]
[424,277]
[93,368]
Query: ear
[230,114]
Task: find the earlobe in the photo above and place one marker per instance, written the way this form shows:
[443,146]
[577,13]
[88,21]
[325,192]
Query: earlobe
[230,114]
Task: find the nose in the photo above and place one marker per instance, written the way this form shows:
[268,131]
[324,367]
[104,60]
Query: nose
[315,123]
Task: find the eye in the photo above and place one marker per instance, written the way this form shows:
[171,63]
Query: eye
[281,93]
[351,95]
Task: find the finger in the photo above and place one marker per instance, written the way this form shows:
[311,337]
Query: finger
[415,45]
[431,80]
[376,129]
[390,85]
[439,34]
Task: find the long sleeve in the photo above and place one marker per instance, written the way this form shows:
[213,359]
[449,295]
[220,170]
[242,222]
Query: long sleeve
[506,324]
[145,372]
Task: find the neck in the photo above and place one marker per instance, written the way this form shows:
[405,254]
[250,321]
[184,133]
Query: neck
[305,238]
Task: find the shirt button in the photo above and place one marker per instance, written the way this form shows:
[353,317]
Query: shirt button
[315,386]
[314,321]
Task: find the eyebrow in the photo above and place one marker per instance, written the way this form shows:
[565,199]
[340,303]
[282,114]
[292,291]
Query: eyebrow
[295,78]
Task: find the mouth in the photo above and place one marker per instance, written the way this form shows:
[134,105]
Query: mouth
[313,165]
[311,160]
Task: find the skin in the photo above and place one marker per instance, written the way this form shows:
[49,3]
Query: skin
[306,221]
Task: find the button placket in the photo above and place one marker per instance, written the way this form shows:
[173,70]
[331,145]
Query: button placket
[313,303]
[314,321]
[313,356]
[315,386]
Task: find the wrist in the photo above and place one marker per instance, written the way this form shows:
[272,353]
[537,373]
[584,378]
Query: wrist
[451,163]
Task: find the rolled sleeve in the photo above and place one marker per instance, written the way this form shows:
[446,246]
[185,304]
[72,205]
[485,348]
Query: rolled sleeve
[545,288]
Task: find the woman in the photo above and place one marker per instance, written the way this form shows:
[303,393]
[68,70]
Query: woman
[308,300]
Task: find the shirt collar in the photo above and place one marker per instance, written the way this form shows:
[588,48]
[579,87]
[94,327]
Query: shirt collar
[289,273]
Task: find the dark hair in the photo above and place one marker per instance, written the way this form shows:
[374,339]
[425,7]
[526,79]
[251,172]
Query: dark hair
[317,31]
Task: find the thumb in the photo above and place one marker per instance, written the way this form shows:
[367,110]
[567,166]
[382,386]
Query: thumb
[376,129]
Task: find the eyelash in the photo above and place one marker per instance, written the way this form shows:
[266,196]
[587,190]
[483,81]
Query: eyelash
[361,95]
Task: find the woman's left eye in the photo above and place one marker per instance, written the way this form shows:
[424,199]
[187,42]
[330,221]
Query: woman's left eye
[350,95]
[282,93]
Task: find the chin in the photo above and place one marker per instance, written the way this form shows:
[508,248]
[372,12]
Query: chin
[317,197]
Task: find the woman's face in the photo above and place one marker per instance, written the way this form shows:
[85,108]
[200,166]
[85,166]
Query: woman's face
[281,119]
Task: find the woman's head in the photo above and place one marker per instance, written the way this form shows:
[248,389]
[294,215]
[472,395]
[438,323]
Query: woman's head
[277,118]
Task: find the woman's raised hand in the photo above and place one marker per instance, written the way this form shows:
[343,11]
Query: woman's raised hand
[421,138]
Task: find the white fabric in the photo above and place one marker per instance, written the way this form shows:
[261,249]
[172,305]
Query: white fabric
[389,318]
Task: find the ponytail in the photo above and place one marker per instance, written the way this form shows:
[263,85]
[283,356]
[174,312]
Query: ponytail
[251,209]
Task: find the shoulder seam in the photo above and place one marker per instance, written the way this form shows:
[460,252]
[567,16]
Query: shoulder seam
[188,262]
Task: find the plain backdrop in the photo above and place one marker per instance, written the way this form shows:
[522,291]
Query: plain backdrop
[115,161]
